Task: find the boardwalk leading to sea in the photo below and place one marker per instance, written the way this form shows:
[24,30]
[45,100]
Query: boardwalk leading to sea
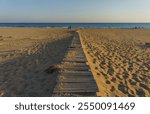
[76,78]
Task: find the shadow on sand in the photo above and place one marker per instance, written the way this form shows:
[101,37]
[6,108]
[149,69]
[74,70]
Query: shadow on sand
[25,76]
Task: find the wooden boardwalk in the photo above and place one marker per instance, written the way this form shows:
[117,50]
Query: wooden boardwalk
[76,78]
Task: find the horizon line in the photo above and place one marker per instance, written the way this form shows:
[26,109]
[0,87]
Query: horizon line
[75,22]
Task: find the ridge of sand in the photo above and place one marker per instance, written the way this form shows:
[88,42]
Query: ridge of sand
[119,60]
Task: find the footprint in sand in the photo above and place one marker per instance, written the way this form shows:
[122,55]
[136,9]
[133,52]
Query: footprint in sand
[98,74]
[125,75]
[110,71]
[108,82]
[113,79]
[123,88]
[140,92]
[134,77]
[118,76]
[132,82]
[96,68]
[144,87]
[112,89]
[94,60]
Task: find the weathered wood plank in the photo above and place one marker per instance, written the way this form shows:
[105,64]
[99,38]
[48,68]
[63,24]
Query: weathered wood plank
[75,80]
[75,58]
[75,91]
[76,61]
[76,68]
[88,84]
[77,65]
[68,73]
[75,77]
[80,55]
[72,90]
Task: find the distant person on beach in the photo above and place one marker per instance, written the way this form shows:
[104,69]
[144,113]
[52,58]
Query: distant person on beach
[69,27]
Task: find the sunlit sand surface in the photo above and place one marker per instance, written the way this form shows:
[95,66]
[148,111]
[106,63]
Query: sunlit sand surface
[119,59]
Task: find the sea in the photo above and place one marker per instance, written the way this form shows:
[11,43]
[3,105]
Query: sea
[80,25]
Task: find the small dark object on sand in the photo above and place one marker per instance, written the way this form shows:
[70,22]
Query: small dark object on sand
[51,69]
[147,44]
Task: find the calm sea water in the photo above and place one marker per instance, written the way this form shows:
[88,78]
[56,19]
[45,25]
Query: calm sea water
[82,25]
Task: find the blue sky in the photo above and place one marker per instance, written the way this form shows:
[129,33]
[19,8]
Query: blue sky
[74,10]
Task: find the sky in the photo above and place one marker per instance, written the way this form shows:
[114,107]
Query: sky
[75,11]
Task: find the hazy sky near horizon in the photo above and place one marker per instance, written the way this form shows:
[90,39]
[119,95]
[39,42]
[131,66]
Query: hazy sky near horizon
[74,10]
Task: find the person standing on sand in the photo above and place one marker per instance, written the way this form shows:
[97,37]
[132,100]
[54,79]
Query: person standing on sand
[69,27]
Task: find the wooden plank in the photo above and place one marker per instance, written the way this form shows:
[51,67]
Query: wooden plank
[75,80]
[91,94]
[76,61]
[76,85]
[76,90]
[78,55]
[77,64]
[77,68]
[75,46]
[86,78]
[68,73]
[75,77]
[75,50]
[59,88]
[85,87]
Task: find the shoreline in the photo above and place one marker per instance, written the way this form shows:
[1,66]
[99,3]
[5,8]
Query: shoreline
[80,25]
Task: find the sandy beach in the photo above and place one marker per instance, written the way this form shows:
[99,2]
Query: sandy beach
[25,54]
[119,60]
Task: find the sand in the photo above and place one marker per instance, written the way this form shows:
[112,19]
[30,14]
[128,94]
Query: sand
[25,54]
[119,60]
